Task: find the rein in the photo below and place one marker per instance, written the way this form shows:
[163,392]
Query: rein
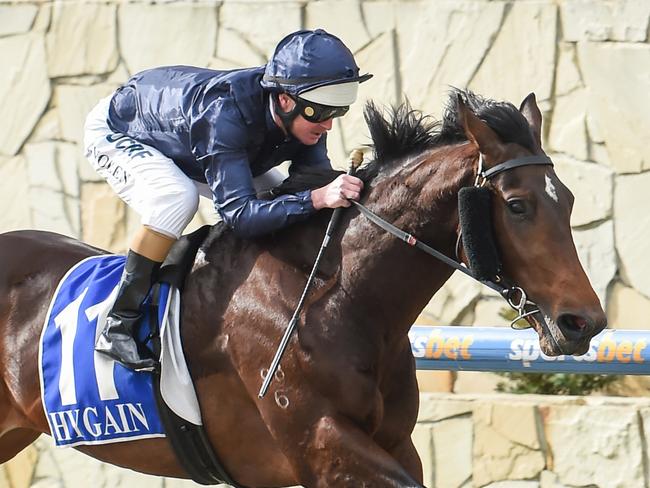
[356,157]
[514,295]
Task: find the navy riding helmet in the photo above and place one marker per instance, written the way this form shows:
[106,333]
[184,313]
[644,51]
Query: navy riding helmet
[318,71]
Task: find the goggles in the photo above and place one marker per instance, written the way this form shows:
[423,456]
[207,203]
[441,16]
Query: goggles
[315,112]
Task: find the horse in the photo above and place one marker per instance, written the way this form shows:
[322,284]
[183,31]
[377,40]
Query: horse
[343,405]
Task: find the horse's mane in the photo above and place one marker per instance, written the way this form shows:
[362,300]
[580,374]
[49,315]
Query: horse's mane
[502,117]
[406,131]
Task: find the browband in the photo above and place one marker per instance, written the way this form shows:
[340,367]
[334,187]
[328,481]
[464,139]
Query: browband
[513,163]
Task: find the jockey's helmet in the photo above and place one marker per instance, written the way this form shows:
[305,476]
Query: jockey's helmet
[317,70]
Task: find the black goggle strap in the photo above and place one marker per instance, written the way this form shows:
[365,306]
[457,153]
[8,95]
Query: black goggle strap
[285,117]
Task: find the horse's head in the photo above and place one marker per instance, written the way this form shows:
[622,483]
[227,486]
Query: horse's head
[530,212]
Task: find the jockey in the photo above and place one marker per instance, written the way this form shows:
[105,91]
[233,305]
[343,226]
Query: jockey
[172,133]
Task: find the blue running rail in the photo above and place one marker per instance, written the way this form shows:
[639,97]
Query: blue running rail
[613,351]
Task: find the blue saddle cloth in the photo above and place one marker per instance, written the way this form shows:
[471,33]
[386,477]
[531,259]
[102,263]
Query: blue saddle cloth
[89,398]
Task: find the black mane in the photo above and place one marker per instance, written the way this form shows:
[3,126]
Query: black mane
[502,117]
[406,131]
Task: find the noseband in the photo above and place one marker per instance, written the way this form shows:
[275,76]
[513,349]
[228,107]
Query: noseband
[514,295]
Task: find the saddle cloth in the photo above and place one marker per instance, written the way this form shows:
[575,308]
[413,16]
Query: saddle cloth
[89,398]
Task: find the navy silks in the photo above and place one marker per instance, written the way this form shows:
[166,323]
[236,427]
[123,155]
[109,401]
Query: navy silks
[217,127]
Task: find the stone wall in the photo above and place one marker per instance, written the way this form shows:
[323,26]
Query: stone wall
[586,60]
[529,441]
[465,441]
[583,59]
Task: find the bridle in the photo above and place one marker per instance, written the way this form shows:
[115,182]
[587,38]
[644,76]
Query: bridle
[514,295]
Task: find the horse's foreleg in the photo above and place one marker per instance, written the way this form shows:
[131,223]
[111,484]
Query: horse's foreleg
[339,454]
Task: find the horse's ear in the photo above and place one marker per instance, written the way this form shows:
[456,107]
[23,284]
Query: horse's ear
[531,113]
[477,131]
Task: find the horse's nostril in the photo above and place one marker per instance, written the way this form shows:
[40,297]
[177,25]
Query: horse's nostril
[573,324]
[579,322]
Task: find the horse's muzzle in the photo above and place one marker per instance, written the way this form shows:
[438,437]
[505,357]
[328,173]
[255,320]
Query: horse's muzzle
[570,333]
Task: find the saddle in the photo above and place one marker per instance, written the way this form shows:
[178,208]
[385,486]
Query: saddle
[189,440]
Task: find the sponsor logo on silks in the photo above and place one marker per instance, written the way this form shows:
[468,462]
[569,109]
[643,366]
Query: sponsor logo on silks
[87,397]
[437,346]
[108,166]
[604,349]
[130,146]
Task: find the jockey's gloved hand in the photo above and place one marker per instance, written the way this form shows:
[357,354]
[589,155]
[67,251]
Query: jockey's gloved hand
[337,193]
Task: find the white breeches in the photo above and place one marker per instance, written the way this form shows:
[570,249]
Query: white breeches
[145,179]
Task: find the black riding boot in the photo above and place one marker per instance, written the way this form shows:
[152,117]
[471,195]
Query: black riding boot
[117,339]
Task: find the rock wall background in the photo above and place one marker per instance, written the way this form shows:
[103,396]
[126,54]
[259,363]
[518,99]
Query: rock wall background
[586,60]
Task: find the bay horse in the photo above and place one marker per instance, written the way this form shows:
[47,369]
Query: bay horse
[342,407]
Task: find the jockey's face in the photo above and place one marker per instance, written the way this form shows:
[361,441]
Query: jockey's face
[309,133]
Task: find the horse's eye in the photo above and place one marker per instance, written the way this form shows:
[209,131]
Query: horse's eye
[517,206]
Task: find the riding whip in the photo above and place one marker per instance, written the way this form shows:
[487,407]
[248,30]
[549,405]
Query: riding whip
[355,160]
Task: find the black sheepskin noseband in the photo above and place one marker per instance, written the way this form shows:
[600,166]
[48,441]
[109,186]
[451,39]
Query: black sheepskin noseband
[474,210]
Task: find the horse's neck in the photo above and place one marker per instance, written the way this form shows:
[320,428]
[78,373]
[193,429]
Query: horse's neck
[391,279]
[378,276]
